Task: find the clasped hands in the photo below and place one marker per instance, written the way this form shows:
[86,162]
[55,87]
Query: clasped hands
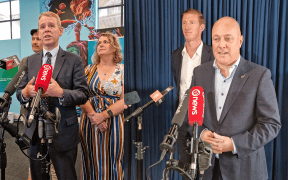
[98,119]
[219,143]
[54,90]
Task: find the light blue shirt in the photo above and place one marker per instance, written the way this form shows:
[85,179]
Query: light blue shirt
[54,53]
[222,86]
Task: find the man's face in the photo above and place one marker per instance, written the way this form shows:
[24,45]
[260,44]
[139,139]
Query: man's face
[49,32]
[191,27]
[36,43]
[226,42]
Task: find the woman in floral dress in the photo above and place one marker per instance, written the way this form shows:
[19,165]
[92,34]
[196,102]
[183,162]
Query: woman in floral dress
[102,119]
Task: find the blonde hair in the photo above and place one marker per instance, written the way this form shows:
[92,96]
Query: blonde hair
[50,14]
[195,11]
[113,39]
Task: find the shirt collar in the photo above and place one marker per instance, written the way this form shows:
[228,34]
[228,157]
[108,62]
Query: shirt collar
[232,68]
[53,51]
[198,51]
[234,65]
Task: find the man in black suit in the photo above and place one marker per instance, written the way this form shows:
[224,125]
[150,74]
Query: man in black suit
[68,88]
[184,60]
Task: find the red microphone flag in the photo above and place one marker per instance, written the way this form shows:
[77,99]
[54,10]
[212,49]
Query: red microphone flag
[196,106]
[44,77]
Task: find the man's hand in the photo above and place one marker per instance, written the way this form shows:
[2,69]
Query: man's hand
[54,90]
[210,138]
[29,90]
[225,146]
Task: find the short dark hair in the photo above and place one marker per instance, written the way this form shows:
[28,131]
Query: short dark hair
[195,11]
[33,31]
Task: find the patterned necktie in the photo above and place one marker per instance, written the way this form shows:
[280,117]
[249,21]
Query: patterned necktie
[44,101]
[49,55]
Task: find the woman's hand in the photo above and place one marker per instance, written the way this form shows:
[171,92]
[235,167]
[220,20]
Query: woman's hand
[96,118]
[103,127]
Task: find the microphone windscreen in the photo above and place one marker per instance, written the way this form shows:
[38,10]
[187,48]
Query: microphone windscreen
[196,106]
[181,110]
[14,83]
[44,77]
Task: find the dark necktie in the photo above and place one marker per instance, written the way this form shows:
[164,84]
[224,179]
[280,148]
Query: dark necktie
[44,101]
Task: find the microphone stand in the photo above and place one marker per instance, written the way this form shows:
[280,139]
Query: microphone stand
[4,109]
[140,149]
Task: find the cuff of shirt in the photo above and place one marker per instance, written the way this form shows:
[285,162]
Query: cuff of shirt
[61,100]
[234,147]
[24,100]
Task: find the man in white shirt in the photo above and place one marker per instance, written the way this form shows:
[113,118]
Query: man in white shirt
[184,60]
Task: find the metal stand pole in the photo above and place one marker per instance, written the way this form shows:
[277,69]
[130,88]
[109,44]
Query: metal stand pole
[140,150]
[3,155]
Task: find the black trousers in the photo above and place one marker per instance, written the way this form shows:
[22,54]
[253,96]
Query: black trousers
[63,162]
[217,171]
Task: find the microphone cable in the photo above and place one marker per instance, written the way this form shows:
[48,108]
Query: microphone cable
[161,158]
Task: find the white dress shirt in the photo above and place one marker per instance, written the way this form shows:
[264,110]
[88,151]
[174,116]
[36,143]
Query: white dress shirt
[188,65]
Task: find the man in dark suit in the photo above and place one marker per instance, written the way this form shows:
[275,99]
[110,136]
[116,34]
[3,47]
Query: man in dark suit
[241,111]
[68,88]
[185,59]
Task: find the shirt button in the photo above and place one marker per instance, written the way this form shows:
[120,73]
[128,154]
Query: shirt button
[219,107]
[224,80]
[222,94]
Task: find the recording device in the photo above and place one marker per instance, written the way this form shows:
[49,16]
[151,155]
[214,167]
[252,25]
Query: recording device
[131,98]
[195,114]
[9,62]
[177,121]
[155,96]
[41,85]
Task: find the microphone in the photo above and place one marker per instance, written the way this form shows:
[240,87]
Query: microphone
[12,86]
[195,114]
[41,85]
[131,98]
[157,97]
[177,121]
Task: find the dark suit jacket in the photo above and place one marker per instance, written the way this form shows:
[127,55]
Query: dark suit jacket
[69,74]
[250,116]
[207,55]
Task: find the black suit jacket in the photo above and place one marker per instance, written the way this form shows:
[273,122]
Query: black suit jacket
[69,74]
[176,63]
[207,55]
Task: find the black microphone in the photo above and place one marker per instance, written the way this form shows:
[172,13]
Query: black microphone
[177,121]
[156,97]
[6,100]
[13,85]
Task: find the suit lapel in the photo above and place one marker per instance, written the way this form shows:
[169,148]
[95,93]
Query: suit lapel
[59,62]
[210,95]
[37,64]
[179,67]
[205,57]
[237,83]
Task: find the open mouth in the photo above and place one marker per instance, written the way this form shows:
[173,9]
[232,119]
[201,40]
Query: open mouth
[47,37]
[222,53]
